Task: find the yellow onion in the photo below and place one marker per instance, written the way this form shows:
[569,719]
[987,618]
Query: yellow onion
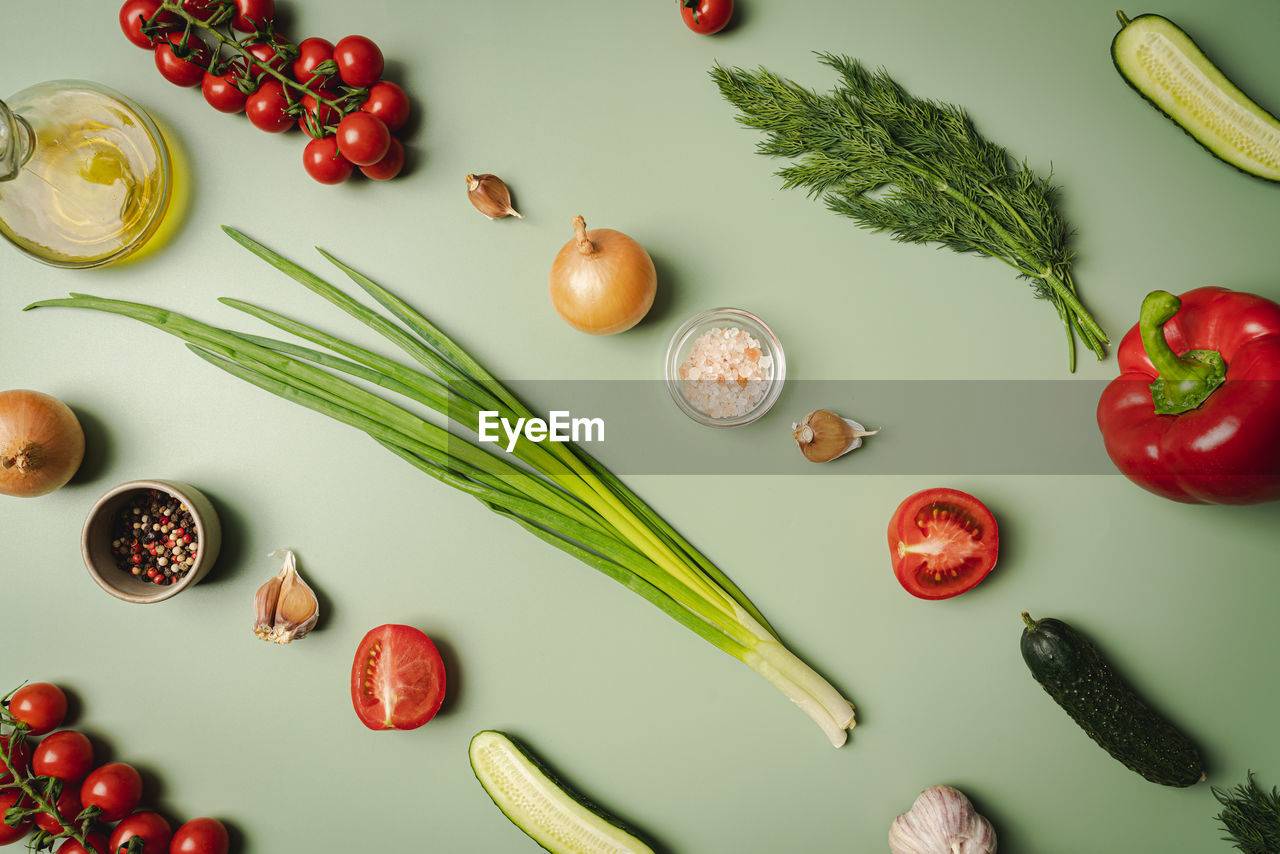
[41,443]
[602,281]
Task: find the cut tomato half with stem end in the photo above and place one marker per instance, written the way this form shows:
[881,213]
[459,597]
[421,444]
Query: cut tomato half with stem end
[397,678]
[942,543]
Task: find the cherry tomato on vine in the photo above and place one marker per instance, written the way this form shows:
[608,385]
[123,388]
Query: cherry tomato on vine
[311,52]
[201,9]
[68,806]
[325,115]
[388,102]
[275,55]
[359,61]
[363,139]
[11,833]
[252,15]
[266,108]
[40,705]
[180,71]
[97,842]
[66,754]
[221,91]
[397,678]
[201,836]
[390,164]
[115,788]
[21,758]
[706,16]
[323,162]
[152,827]
[132,15]
[942,543]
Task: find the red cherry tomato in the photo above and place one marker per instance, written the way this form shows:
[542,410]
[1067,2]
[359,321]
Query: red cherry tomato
[706,16]
[363,139]
[359,61]
[221,91]
[324,163]
[325,116]
[152,827]
[97,842]
[397,678]
[275,55]
[266,108]
[114,788]
[388,102]
[311,52]
[67,755]
[11,833]
[183,71]
[942,543]
[390,164]
[68,806]
[253,15]
[201,9]
[40,705]
[132,15]
[21,758]
[201,836]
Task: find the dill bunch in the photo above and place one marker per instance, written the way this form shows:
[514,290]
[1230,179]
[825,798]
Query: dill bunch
[1251,816]
[916,169]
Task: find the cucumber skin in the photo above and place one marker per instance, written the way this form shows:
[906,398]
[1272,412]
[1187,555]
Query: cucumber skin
[1080,680]
[1115,60]
[569,792]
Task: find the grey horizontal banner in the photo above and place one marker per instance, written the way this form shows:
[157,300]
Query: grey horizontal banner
[969,427]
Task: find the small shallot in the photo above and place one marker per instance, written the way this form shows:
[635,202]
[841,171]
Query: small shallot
[822,436]
[41,443]
[941,821]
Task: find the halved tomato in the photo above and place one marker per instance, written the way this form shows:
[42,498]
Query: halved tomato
[397,679]
[942,542]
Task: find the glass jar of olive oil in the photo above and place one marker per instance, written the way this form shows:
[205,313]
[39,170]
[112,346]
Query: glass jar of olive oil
[84,174]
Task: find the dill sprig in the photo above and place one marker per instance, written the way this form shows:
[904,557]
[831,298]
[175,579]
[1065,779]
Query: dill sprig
[917,169]
[1252,816]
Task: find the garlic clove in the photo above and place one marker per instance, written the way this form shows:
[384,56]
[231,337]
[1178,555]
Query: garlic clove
[823,436]
[490,196]
[264,603]
[287,607]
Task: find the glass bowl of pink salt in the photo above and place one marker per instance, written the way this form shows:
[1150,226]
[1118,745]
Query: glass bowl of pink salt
[725,367]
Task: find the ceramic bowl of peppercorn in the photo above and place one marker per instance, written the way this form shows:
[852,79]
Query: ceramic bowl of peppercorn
[148,540]
[725,367]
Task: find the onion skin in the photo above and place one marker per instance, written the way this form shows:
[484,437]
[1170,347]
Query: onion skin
[41,443]
[602,282]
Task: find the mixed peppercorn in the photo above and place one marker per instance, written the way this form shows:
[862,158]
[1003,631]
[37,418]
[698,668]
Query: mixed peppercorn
[153,537]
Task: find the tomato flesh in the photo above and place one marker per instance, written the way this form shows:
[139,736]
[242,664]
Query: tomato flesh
[397,678]
[942,542]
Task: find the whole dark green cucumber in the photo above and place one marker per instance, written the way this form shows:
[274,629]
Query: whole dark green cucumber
[1076,674]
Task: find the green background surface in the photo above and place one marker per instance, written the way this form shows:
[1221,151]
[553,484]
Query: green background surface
[606,109]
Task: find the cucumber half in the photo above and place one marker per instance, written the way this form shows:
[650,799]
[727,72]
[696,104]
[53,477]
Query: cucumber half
[1166,67]
[557,819]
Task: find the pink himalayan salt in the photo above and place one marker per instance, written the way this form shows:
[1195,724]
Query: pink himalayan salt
[726,373]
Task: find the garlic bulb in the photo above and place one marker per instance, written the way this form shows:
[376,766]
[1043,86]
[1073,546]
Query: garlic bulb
[942,821]
[286,607]
[822,436]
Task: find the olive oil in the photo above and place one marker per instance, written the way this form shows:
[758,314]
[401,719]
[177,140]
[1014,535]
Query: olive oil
[95,185]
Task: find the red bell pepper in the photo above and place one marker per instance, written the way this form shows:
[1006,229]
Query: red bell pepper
[1195,413]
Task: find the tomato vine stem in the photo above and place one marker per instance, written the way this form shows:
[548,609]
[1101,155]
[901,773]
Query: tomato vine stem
[16,736]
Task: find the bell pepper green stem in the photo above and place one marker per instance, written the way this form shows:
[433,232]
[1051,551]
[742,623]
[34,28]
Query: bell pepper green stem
[1185,381]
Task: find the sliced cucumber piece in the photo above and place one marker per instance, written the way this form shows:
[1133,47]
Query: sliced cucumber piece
[1166,67]
[557,819]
